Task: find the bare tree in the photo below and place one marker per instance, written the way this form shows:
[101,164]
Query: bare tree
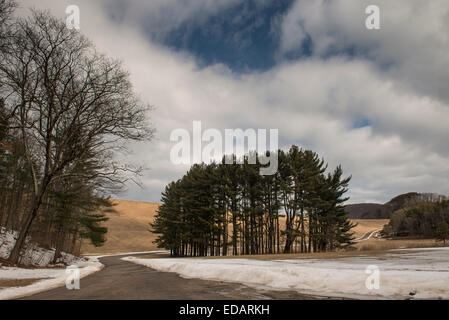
[71,106]
[7,8]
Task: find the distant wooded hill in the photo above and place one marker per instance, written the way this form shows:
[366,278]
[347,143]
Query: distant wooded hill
[384,211]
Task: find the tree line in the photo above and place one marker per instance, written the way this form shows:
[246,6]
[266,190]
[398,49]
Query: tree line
[66,113]
[221,209]
[425,220]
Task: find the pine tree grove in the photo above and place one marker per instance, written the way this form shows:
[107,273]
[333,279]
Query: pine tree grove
[230,209]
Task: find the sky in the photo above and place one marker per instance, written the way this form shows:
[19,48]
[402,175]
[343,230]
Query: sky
[374,101]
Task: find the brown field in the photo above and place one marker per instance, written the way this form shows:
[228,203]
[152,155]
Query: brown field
[128,229]
[388,244]
[376,245]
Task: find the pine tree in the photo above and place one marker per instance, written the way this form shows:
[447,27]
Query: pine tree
[169,219]
[198,211]
[442,232]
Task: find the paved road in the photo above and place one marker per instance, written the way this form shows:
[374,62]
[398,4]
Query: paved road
[126,280]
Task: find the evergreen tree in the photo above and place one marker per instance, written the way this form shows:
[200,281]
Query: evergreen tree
[442,231]
[216,205]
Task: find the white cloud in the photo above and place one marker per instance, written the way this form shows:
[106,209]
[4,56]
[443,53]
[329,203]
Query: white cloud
[313,102]
[411,46]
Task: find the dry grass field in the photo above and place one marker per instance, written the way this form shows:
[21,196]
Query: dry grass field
[367,225]
[388,244]
[376,245]
[128,229]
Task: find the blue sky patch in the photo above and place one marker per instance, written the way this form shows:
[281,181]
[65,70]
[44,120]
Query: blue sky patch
[362,123]
[244,36]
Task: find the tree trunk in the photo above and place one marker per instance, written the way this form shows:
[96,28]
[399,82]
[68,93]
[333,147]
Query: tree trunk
[225,233]
[303,232]
[15,253]
[59,244]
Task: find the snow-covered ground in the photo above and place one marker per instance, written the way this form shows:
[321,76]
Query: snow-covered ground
[34,255]
[39,257]
[419,274]
[51,278]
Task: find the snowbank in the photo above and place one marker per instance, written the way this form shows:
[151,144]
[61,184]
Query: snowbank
[422,274]
[39,257]
[34,255]
[52,278]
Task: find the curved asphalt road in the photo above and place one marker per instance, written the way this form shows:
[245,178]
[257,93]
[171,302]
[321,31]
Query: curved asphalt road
[126,280]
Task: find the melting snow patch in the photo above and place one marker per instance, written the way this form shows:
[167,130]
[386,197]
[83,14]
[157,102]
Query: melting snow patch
[417,275]
[51,278]
[40,257]
[34,255]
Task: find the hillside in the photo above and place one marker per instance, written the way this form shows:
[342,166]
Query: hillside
[384,211]
[367,225]
[367,211]
[128,228]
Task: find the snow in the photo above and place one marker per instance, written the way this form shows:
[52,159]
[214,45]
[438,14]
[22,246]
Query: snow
[417,274]
[34,255]
[39,257]
[51,278]
[369,233]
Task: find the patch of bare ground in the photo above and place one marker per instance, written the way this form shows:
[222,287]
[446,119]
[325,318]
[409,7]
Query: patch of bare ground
[9,283]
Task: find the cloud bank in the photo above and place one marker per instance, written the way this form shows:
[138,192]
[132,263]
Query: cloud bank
[375,102]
